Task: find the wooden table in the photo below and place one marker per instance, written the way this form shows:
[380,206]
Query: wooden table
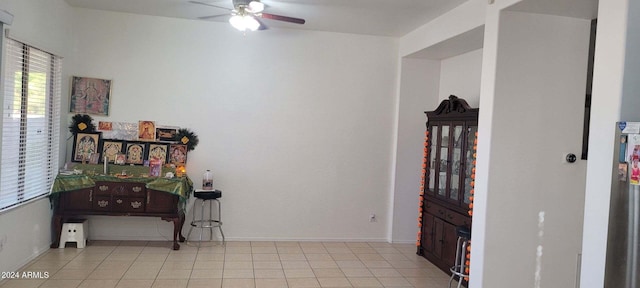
[111,196]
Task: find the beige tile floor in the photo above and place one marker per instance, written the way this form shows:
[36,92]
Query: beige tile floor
[107,264]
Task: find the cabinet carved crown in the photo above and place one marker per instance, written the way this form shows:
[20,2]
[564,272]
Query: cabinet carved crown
[453,104]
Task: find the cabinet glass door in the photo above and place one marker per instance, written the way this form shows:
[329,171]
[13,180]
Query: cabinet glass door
[433,139]
[468,160]
[444,161]
[456,159]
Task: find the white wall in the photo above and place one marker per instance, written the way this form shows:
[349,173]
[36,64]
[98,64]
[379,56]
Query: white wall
[460,76]
[296,126]
[537,112]
[424,84]
[28,228]
[614,98]
[418,93]
[464,18]
[411,124]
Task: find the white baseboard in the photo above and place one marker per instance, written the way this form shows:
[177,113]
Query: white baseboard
[161,238]
[404,242]
[276,239]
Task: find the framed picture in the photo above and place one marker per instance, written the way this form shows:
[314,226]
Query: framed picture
[120,159]
[166,133]
[127,131]
[105,126]
[135,153]
[146,131]
[90,96]
[111,148]
[83,145]
[94,158]
[178,154]
[155,167]
[158,151]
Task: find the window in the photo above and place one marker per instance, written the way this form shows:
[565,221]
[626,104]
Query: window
[30,123]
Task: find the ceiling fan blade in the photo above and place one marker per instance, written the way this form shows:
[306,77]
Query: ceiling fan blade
[262,25]
[210,5]
[282,18]
[212,16]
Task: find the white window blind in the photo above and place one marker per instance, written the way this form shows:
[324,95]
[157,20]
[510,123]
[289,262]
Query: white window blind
[30,123]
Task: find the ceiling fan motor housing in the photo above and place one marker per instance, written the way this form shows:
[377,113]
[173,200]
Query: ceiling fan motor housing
[237,3]
[249,11]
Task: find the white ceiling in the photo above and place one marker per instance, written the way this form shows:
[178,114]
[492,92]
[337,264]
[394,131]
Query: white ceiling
[585,9]
[371,17]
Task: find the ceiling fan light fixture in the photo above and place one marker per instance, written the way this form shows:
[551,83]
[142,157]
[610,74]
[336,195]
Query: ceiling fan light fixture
[245,14]
[237,22]
[256,6]
[251,23]
[244,22]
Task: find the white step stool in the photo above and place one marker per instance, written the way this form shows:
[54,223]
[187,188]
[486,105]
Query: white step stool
[74,230]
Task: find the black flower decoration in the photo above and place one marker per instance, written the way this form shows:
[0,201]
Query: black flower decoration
[187,137]
[82,124]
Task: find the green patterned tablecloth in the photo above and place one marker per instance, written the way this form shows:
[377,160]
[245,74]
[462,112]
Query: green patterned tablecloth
[181,186]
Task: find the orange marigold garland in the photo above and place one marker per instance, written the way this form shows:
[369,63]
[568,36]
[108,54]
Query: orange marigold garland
[422,180]
[472,191]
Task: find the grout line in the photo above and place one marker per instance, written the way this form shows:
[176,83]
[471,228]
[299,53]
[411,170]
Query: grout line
[399,253]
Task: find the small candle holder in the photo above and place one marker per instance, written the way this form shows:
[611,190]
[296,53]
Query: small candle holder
[181,171]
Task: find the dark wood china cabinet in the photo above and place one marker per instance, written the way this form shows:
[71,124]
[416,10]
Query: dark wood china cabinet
[447,180]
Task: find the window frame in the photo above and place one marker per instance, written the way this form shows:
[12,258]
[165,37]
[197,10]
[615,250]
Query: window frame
[47,145]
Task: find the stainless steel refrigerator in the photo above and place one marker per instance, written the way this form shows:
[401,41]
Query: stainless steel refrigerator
[623,240]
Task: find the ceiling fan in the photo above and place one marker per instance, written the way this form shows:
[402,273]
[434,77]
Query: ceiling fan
[246,15]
